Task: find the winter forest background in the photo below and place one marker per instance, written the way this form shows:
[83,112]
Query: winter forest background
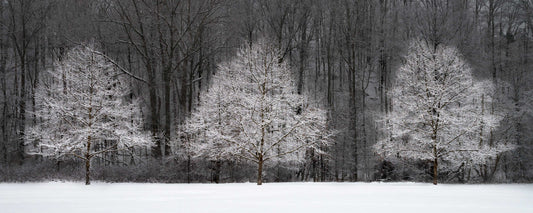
[350,58]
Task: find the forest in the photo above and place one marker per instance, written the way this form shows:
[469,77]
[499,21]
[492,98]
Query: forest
[225,91]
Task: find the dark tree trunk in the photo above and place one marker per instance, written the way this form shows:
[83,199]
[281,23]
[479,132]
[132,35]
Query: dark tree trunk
[3,61]
[435,166]
[88,161]
[435,171]
[22,113]
[260,170]
[87,171]
[168,114]
[188,168]
[154,109]
[217,169]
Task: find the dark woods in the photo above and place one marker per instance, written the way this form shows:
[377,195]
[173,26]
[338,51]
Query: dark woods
[343,54]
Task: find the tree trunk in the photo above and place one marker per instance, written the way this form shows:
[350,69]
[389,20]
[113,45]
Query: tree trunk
[216,171]
[88,156]
[260,170]
[168,115]
[87,171]
[154,109]
[435,171]
[188,168]
[88,162]
[3,61]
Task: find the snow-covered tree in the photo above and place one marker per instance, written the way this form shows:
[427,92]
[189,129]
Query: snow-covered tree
[440,112]
[252,111]
[84,100]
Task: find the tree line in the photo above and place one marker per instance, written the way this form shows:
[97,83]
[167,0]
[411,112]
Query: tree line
[343,54]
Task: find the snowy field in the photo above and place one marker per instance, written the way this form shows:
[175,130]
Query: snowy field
[59,197]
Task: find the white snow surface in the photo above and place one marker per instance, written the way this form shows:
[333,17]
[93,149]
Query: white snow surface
[58,197]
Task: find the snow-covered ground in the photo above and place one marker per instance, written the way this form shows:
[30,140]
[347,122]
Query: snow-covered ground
[60,197]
